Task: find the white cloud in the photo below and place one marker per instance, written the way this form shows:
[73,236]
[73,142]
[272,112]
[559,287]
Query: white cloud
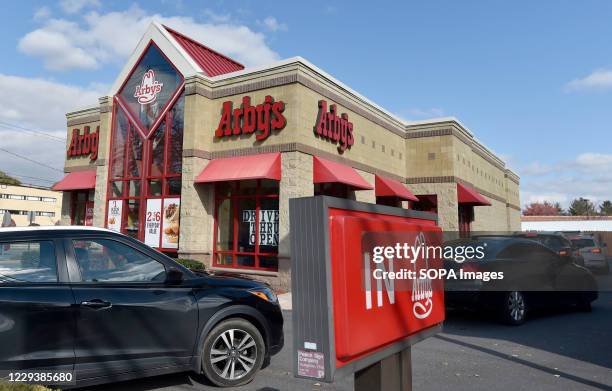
[42,13]
[272,24]
[529,197]
[600,79]
[594,160]
[75,6]
[102,38]
[41,105]
[587,175]
[215,17]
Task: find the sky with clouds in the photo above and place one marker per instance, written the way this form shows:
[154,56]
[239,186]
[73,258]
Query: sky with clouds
[532,80]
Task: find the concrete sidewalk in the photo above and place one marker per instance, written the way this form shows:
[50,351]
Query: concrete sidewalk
[285,301]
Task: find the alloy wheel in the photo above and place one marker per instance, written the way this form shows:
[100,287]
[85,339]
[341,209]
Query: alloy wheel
[233,354]
[516,306]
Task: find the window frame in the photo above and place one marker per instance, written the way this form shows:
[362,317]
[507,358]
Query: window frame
[76,275]
[166,120]
[60,262]
[236,222]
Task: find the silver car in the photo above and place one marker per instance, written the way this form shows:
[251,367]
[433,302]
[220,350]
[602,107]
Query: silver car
[593,252]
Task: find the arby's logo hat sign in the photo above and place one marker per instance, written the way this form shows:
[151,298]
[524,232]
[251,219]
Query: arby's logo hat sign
[148,89]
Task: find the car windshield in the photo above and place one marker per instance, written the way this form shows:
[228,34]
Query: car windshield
[581,243]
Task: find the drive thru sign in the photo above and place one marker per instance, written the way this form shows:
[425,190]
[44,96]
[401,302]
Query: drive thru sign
[344,320]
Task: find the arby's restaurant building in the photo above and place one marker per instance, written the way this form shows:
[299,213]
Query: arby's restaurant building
[198,156]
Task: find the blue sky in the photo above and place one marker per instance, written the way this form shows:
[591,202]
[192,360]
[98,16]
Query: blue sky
[532,80]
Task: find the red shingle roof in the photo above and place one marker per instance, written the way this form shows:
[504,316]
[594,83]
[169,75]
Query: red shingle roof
[211,62]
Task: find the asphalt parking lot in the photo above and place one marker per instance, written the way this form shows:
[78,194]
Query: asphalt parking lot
[556,350]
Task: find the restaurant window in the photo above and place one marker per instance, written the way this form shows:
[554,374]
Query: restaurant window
[332,189]
[81,208]
[145,179]
[146,153]
[466,216]
[246,224]
[426,203]
[389,201]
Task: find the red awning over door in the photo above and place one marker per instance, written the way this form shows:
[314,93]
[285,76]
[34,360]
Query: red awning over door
[327,171]
[387,187]
[77,180]
[468,195]
[264,166]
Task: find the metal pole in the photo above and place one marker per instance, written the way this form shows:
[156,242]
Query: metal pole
[393,373]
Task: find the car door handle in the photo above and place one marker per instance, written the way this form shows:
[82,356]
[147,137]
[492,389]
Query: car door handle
[96,303]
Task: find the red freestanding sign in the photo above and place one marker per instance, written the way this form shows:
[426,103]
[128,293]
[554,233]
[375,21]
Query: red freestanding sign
[349,309]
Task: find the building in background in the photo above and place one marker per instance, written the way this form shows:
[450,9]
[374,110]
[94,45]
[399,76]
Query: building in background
[44,204]
[198,157]
[566,223]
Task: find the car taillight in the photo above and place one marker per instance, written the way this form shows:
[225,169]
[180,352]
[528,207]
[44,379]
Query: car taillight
[596,250]
[563,253]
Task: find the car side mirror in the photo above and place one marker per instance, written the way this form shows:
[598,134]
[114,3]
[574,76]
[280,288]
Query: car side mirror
[174,276]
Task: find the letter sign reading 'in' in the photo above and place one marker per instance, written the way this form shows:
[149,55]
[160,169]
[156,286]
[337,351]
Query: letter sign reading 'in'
[248,119]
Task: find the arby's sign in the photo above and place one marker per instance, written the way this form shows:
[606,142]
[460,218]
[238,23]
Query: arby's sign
[85,143]
[148,89]
[334,127]
[261,119]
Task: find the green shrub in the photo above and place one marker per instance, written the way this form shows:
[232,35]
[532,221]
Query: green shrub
[192,264]
[22,387]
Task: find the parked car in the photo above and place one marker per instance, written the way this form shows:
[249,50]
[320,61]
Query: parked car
[534,276]
[114,309]
[593,252]
[557,242]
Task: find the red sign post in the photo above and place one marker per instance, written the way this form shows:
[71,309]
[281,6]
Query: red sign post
[361,292]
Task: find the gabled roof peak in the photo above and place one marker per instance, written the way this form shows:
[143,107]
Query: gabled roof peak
[212,62]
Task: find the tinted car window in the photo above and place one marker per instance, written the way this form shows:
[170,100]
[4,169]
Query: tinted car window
[524,251]
[28,262]
[103,260]
[581,243]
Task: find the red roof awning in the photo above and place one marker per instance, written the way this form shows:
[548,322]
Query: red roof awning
[264,166]
[77,180]
[387,187]
[326,171]
[467,195]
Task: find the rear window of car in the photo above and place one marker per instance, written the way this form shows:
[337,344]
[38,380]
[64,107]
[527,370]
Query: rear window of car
[581,243]
[28,261]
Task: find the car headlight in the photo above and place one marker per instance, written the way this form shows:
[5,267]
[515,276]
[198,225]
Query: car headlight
[265,293]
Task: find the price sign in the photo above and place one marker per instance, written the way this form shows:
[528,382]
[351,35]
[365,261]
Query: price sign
[114,215]
[153,220]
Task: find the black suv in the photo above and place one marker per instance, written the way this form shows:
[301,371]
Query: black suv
[110,308]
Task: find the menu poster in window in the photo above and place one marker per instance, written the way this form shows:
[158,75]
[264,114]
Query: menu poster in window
[268,226]
[171,213]
[89,213]
[115,208]
[153,222]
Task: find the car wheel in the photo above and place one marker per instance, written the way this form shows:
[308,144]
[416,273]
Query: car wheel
[583,304]
[514,308]
[233,352]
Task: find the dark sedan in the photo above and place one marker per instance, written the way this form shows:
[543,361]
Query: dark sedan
[534,276]
[105,307]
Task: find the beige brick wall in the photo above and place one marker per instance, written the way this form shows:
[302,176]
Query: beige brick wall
[490,218]
[448,214]
[197,211]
